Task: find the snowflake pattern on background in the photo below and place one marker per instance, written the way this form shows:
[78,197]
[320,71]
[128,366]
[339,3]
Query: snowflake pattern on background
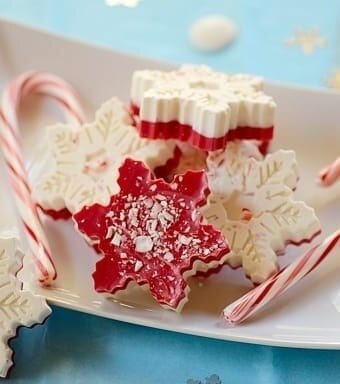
[85,163]
[255,209]
[17,307]
[307,40]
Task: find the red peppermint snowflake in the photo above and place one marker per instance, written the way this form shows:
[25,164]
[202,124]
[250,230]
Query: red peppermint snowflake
[151,233]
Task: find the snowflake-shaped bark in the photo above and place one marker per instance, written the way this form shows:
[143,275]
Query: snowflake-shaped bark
[202,107]
[252,204]
[82,167]
[151,233]
[17,307]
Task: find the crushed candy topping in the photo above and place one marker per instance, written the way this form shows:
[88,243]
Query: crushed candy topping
[160,237]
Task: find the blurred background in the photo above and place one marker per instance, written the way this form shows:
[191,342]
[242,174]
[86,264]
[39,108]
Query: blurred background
[287,41]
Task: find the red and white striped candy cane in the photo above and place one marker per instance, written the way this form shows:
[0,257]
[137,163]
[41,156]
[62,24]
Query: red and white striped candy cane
[255,299]
[330,174]
[21,87]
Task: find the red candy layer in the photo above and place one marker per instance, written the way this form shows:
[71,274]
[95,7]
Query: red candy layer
[187,133]
[151,233]
[63,214]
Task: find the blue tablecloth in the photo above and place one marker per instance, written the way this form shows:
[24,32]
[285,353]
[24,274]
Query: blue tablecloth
[76,348]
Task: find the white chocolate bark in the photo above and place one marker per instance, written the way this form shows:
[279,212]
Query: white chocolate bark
[17,307]
[252,203]
[212,103]
[82,167]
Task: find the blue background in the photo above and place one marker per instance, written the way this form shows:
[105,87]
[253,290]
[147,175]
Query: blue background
[76,348]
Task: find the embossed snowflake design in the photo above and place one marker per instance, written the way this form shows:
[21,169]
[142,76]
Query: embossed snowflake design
[202,107]
[17,307]
[151,233]
[252,204]
[82,167]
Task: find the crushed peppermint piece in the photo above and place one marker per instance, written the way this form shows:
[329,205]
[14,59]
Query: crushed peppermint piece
[148,202]
[185,240]
[109,233]
[138,266]
[169,257]
[143,244]
[155,210]
[116,240]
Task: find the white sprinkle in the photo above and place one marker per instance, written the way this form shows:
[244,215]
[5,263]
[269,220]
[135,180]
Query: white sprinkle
[133,212]
[143,244]
[151,226]
[184,239]
[153,187]
[148,202]
[160,197]
[110,214]
[138,265]
[116,239]
[194,215]
[123,255]
[109,232]
[155,210]
[206,252]
[167,215]
[164,204]
[121,216]
[169,257]
[180,179]
[174,186]
[182,204]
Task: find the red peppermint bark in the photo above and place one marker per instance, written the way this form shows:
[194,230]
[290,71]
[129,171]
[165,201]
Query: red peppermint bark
[151,233]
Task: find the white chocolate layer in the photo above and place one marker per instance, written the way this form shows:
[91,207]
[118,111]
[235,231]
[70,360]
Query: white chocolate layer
[17,307]
[212,103]
[81,168]
[252,203]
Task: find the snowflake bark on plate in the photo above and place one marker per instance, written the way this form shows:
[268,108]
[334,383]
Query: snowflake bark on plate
[82,167]
[202,107]
[151,233]
[252,204]
[17,307]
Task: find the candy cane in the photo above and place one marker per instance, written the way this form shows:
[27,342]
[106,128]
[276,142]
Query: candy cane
[20,88]
[330,174]
[255,299]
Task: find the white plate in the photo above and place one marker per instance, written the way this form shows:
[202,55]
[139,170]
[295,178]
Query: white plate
[308,121]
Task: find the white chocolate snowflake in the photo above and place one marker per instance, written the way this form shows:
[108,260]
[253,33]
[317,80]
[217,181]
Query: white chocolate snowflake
[212,103]
[17,307]
[252,204]
[82,166]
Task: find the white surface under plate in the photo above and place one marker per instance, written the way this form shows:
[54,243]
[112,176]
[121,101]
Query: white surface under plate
[308,122]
